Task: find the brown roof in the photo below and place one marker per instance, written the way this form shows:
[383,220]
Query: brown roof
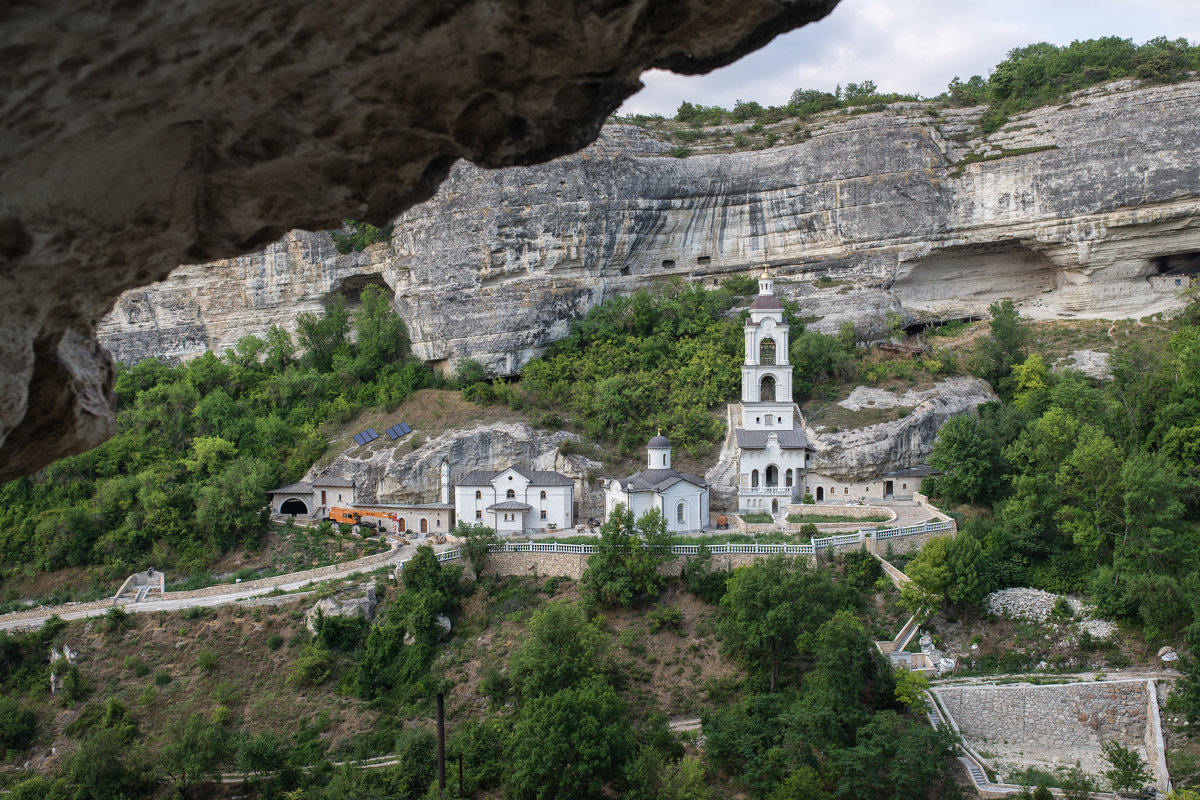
[766,302]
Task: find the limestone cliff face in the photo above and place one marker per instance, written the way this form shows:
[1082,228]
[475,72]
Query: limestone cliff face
[1065,209]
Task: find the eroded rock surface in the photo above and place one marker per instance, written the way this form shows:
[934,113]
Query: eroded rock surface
[138,135]
[1067,213]
[860,455]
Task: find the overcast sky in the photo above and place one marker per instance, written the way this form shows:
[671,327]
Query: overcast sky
[911,46]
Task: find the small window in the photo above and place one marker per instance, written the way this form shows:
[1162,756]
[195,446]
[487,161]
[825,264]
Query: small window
[543,494]
[543,513]
[664,459]
[1178,282]
[479,495]
[845,490]
[704,261]
[339,498]
[680,513]
[668,264]
[904,486]
[479,513]
[510,494]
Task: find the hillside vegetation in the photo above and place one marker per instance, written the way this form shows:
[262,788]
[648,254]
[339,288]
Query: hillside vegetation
[555,689]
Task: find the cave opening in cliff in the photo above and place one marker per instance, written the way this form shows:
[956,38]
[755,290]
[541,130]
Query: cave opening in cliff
[352,287]
[1180,264]
[925,325]
[960,282]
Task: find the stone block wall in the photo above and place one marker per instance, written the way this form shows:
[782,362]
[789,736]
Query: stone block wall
[1051,724]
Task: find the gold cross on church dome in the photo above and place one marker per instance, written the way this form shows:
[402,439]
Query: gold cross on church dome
[766,273]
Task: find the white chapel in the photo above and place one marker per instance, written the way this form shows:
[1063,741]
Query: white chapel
[773,452]
[682,498]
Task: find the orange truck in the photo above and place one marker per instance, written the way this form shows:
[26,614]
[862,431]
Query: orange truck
[351,516]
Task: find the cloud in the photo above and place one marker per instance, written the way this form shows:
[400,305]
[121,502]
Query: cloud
[910,46]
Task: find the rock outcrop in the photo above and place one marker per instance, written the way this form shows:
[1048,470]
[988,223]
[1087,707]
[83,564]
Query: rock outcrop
[344,604]
[396,474]
[136,136]
[859,455]
[1066,209]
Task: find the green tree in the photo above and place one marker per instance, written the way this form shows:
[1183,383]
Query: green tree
[893,757]
[624,568]
[381,335]
[571,743]
[195,749]
[325,336]
[561,648]
[1126,768]
[1005,345]
[768,605]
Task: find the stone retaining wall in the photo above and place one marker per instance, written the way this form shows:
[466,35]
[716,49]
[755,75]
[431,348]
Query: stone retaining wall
[1026,725]
[572,565]
[908,544]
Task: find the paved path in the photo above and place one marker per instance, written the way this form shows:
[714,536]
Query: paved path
[231,595]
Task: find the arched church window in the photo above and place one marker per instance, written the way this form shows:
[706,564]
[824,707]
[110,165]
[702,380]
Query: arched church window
[772,475]
[510,494]
[754,479]
[766,390]
[766,351]
[680,513]
[787,477]
[664,459]
[479,495]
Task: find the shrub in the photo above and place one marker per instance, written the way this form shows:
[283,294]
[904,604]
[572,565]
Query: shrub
[137,665]
[116,619]
[207,660]
[17,725]
[274,641]
[161,677]
[662,616]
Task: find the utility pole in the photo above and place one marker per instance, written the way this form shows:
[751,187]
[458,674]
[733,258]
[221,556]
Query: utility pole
[441,743]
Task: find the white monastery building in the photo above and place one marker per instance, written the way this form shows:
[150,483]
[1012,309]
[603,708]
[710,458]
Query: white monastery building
[773,452]
[515,500]
[682,498]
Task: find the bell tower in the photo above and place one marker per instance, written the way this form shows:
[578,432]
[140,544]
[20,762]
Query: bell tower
[766,374]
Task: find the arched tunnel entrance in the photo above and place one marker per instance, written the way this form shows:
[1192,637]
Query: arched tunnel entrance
[294,507]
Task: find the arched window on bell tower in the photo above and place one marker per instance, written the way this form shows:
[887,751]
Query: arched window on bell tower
[766,351]
[766,389]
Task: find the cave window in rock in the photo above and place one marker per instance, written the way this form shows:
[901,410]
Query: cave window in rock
[766,390]
[704,261]
[754,479]
[293,506]
[772,476]
[510,494]
[668,263]
[353,286]
[766,351]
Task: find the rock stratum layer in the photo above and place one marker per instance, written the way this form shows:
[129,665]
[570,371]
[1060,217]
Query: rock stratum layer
[138,135]
[1069,210]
